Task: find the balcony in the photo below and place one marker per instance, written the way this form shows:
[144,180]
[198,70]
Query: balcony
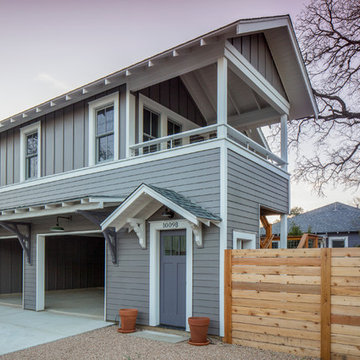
[206,134]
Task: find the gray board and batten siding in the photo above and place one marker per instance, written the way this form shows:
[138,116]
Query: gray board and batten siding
[250,186]
[174,95]
[256,50]
[65,132]
[64,142]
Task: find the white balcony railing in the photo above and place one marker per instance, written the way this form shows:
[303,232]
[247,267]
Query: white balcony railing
[204,134]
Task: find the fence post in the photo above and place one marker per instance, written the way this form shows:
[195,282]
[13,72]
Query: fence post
[228,296]
[325,330]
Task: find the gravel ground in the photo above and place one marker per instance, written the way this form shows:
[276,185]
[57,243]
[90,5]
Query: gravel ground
[107,343]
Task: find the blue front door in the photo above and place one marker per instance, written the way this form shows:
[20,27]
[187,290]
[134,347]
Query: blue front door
[173,278]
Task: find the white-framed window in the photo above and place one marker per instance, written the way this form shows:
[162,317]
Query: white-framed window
[30,152]
[244,240]
[338,242]
[104,129]
[163,122]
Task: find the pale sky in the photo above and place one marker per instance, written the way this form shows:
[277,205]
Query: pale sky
[50,47]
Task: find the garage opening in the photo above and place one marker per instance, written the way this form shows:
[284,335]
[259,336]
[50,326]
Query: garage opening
[75,274]
[11,272]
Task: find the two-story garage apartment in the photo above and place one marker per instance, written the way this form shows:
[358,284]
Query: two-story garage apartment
[126,192]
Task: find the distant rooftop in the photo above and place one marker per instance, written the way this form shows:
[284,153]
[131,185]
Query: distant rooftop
[332,218]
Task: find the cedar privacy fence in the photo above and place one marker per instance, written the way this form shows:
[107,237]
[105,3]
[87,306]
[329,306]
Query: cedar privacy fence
[300,301]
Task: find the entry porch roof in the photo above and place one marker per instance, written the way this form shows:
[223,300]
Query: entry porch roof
[61,206]
[145,200]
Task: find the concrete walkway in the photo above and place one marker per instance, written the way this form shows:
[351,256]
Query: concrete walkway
[20,329]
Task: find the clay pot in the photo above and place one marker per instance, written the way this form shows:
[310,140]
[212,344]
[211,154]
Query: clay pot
[198,330]
[128,320]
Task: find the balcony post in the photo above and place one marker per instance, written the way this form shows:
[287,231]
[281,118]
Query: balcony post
[284,141]
[283,231]
[129,114]
[222,85]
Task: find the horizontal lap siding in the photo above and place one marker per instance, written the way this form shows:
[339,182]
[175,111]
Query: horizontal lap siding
[196,176]
[30,277]
[128,282]
[250,186]
[186,174]
[206,278]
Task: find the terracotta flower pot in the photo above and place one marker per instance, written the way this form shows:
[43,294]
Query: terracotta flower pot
[198,330]
[128,320]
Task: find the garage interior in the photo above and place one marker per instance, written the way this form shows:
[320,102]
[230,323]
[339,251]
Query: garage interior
[11,272]
[75,274]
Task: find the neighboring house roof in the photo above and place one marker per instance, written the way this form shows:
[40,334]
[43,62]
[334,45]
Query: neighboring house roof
[332,218]
[280,37]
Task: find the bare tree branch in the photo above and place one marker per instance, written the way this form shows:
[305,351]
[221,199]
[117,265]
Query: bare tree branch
[330,41]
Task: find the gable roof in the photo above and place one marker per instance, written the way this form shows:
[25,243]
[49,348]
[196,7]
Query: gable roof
[185,203]
[280,37]
[332,218]
[146,199]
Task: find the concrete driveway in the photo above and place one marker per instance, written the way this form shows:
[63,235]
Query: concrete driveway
[21,329]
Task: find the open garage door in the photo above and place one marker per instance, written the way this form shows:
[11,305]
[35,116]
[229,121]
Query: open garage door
[11,272]
[74,275]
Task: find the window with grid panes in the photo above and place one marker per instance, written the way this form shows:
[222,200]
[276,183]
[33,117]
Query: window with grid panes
[31,156]
[173,128]
[105,134]
[151,129]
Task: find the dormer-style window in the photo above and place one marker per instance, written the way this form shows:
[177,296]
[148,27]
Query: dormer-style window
[104,129]
[30,146]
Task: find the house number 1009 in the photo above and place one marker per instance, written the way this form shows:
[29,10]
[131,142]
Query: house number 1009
[170,225]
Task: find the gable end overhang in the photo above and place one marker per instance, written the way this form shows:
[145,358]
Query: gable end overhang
[280,36]
[145,201]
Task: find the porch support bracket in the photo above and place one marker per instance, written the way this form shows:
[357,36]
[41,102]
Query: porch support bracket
[197,231]
[24,239]
[109,234]
[138,225]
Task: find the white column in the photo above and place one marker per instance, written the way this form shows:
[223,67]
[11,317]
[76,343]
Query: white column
[222,95]
[283,231]
[129,121]
[284,140]
[40,273]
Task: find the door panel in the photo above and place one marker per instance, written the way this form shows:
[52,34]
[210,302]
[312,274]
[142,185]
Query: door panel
[173,278]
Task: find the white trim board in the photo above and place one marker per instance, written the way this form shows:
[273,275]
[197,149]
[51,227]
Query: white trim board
[154,271]
[223,232]
[339,238]
[243,235]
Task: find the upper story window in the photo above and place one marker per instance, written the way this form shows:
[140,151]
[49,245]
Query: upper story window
[173,128]
[31,167]
[151,128]
[156,120]
[105,134]
[104,129]
[30,161]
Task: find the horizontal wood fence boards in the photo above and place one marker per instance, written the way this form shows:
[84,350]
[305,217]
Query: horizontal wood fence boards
[304,302]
